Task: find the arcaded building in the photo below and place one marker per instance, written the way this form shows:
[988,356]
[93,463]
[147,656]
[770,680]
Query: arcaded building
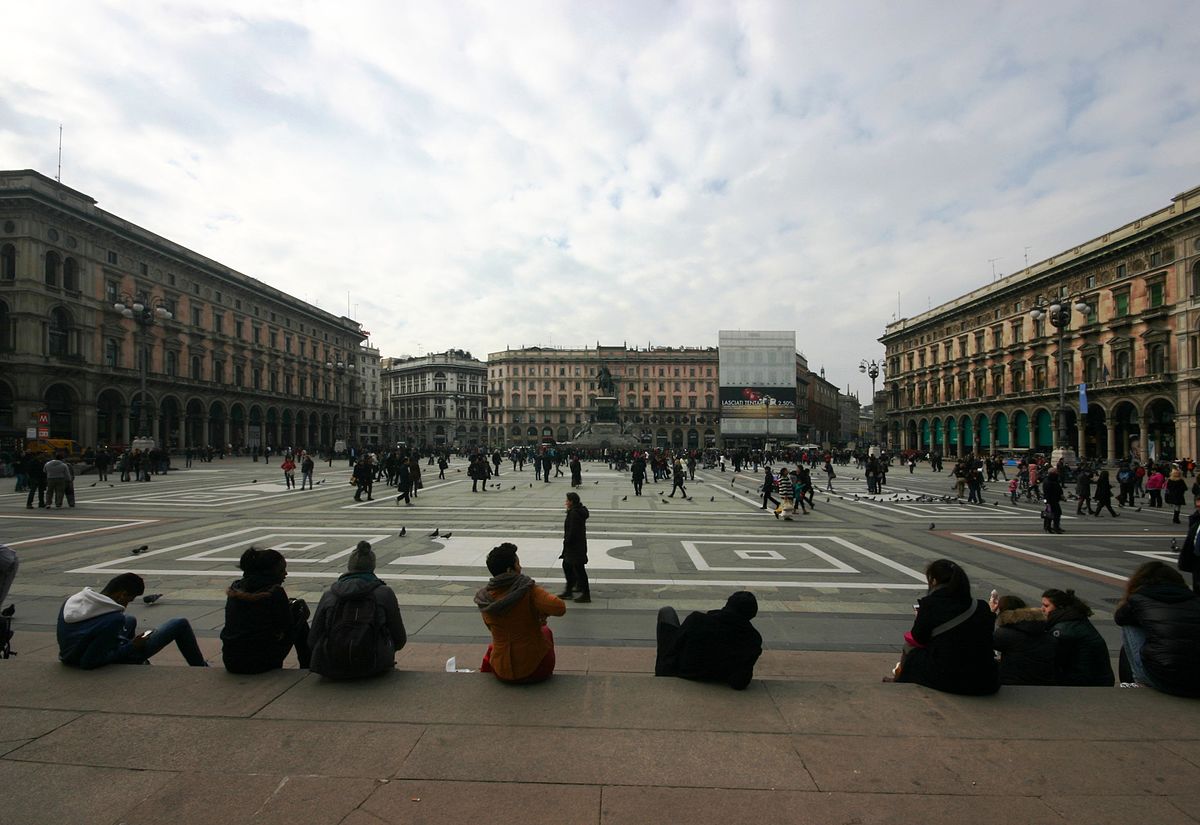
[980,373]
[225,358]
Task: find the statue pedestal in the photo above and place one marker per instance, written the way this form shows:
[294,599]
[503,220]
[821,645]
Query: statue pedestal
[605,430]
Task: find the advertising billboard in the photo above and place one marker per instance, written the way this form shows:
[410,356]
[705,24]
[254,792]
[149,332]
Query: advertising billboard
[758,402]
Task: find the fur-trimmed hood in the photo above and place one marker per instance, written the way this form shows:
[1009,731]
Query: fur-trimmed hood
[1021,614]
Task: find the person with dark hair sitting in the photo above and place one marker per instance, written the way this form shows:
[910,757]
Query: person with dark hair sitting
[717,646]
[1024,643]
[94,630]
[514,609]
[1080,653]
[950,645]
[1159,617]
[262,624]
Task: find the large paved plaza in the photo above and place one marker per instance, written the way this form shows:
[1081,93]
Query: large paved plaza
[844,577]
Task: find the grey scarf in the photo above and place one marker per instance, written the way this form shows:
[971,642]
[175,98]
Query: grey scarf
[518,585]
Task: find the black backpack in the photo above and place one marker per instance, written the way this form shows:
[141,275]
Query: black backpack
[353,628]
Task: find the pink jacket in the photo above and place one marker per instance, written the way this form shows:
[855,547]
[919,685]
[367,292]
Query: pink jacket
[1156,481]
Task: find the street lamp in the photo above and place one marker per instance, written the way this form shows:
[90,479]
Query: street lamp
[1059,314]
[339,368]
[872,369]
[145,314]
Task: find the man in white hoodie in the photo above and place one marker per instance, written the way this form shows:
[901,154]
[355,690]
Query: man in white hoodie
[94,630]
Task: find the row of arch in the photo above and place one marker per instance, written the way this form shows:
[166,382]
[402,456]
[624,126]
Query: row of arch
[1105,433]
[174,421]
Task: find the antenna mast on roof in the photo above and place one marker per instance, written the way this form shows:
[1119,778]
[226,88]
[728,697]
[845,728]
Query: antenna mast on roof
[992,261]
[58,177]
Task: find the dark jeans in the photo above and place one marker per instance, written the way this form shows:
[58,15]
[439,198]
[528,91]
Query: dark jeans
[37,488]
[768,497]
[576,576]
[678,485]
[178,631]
[637,485]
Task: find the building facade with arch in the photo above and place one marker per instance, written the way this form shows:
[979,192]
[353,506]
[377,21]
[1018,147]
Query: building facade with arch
[436,401]
[978,374]
[666,396]
[239,362]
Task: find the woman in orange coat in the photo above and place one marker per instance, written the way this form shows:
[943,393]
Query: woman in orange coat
[514,609]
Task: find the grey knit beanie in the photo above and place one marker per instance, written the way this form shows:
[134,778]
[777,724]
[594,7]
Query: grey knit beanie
[362,560]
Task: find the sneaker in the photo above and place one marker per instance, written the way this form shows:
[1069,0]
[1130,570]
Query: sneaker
[583,598]
[566,594]
[1130,685]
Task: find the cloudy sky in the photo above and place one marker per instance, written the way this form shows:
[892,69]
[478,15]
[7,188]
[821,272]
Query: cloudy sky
[484,175]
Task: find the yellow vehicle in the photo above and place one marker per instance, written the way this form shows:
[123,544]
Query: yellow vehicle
[47,447]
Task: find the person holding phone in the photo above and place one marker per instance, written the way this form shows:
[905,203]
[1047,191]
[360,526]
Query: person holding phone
[94,630]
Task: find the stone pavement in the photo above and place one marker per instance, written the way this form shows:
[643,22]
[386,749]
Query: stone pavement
[816,739]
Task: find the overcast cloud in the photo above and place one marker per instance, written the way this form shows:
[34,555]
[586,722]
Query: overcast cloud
[484,175]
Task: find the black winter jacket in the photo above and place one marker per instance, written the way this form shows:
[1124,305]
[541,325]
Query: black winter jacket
[1170,616]
[258,631]
[575,535]
[1025,646]
[1080,653]
[717,646]
[959,660]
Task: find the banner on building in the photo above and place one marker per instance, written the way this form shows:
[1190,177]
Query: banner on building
[758,402]
[1083,399]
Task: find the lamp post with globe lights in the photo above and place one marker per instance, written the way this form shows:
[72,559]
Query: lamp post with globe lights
[145,313]
[1058,312]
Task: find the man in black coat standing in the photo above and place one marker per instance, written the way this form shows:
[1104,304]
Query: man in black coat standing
[1188,561]
[1052,491]
[717,646]
[574,554]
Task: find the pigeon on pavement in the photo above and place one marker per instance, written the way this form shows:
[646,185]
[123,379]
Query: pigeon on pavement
[435,533]
[94,483]
[931,525]
[403,531]
[713,498]
[623,498]
[152,598]
[448,535]
[139,550]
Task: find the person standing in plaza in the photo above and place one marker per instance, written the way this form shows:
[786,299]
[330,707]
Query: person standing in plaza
[768,488]
[574,554]
[576,471]
[1176,489]
[361,478]
[547,462]
[1083,491]
[830,475]
[677,479]
[35,476]
[306,471]
[289,471]
[1189,559]
[638,473]
[1053,492]
[1104,494]
[58,476]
